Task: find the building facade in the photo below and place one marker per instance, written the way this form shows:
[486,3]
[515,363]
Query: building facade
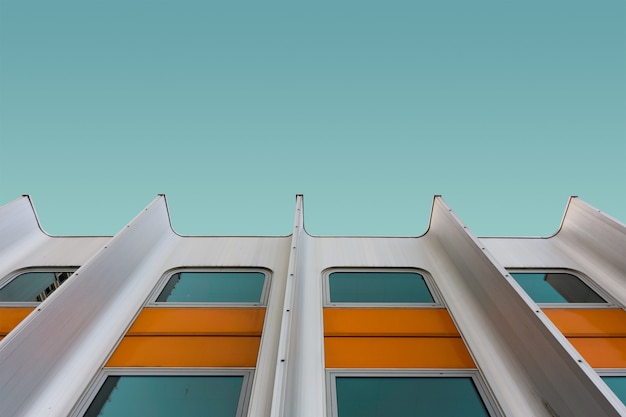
[149,322]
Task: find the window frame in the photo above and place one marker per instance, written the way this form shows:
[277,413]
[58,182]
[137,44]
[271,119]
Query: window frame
[152,299]
[609,301]
[6,280]
[428,280]
[94,388]
[484,393]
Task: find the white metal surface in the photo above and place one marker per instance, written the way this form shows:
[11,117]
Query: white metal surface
[300,389]
[48,361]
[531,368]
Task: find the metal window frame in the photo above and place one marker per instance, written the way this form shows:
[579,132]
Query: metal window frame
[610,371]
[94,388]
[428,280]
[168,275]
[609,301]
[17,273]
[482,389]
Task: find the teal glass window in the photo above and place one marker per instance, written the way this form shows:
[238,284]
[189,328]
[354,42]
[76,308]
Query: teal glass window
[378,287]
[556,287]
[214,287]
[618,385]
[168,396]
[33,286]
[408,397]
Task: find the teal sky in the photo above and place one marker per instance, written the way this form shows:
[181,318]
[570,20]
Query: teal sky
[368,108]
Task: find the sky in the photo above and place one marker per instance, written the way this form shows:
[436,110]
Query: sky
[368,108]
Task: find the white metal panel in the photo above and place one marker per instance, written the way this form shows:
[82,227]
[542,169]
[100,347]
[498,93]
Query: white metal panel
[17,220]
[596,243]
[49,359]
[529,365]
[527,252]
[19,233]
[300,380]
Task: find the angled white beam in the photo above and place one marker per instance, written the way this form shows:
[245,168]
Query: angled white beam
[527,362]
[299,388]
[49,359]
[596,242]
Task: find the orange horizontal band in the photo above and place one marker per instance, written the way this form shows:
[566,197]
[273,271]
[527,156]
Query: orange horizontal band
[388,322]
[11,317]
[589,322]
[396,352]
[186,351]
[199,321]
[601,352]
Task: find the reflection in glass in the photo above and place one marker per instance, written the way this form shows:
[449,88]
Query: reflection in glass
[618,385]
[33,286]
[214,287]
[167,396]
[408,397]
[378,287]
[558,287]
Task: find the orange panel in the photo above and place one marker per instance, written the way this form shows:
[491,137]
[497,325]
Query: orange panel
[396,352]
[388,322]
[587,322]
[199,321]
[602,352]
[186,351]
[11,317]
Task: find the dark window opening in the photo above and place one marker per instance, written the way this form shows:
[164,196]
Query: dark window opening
[33,286]
[556,287]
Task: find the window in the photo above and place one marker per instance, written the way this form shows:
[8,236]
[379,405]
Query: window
[616,380]
[245,287]
[556,287]
[408,394]
[33,286]
[179,393]
[382,287]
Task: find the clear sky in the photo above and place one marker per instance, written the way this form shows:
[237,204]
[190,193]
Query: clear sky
[368,108]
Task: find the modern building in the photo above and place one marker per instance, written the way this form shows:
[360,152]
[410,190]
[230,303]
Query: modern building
[151,323]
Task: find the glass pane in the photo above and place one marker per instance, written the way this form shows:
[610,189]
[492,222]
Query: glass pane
[408,397]
[556,288]
[33,286]
[378,287]
[618,385]
[214,287]
[167,396]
